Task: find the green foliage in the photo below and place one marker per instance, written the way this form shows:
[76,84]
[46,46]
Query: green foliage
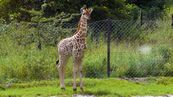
[10,9]
[164,80]
[29,65]
[95,69]
[115,9]
[151,9]
[166,53]
[148,3]
[28,9]
[100,13]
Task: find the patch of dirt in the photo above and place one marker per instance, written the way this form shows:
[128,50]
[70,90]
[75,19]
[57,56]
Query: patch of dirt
[138,80]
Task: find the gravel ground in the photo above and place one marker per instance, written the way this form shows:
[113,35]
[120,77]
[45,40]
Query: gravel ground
[76,95]
[155,96]
[83,96]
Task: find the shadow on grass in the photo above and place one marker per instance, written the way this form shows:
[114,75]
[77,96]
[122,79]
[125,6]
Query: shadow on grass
[100,93]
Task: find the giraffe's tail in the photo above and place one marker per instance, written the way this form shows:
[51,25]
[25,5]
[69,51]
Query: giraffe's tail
[57,62]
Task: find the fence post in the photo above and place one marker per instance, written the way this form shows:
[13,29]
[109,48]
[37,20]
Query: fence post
[172,20]
[39,46]
[141,17]
[108,45]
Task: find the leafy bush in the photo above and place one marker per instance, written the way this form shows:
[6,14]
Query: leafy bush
[95,69]
[168,67]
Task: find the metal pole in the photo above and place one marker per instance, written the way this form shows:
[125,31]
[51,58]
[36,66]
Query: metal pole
[141,17]
[172,21]
[108,46]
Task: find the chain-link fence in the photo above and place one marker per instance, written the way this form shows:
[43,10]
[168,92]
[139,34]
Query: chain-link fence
[133,49]
[117,48]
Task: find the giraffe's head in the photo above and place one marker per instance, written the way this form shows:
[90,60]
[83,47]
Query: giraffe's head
[86,12]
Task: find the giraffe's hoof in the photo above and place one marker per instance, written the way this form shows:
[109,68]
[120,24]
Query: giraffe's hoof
[62,88]
[74,89]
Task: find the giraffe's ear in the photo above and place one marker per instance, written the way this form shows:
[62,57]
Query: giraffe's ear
[82,9]
[90,9]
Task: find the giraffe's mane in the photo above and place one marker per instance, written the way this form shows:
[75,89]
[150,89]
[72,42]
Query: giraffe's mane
[79,23]
[78,26]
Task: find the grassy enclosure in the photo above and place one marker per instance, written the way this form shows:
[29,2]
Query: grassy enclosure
[141,47]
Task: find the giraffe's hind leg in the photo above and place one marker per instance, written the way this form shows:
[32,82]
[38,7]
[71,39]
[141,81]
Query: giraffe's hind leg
[61,69]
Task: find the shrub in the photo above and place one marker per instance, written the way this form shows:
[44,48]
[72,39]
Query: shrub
[95,69]
[168,67]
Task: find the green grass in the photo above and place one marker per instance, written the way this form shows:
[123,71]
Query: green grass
[170,11]
[100,87]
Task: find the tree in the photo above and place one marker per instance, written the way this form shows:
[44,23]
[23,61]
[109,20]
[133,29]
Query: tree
[20,9]
[151,9]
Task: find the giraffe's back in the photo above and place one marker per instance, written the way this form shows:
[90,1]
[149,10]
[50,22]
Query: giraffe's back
[65,46]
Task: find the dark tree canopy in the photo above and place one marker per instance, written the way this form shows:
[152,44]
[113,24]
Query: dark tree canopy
[148,3]
[26,10]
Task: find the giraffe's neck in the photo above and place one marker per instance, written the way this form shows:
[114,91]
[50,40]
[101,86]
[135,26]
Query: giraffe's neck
[82,28]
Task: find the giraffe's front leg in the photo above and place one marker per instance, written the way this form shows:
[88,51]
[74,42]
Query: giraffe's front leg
[80,74]
[74,77]
[78,66]
[77,58]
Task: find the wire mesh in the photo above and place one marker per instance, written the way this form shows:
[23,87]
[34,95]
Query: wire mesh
[136,49]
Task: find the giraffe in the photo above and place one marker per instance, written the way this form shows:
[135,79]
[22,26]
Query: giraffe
[74,46]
